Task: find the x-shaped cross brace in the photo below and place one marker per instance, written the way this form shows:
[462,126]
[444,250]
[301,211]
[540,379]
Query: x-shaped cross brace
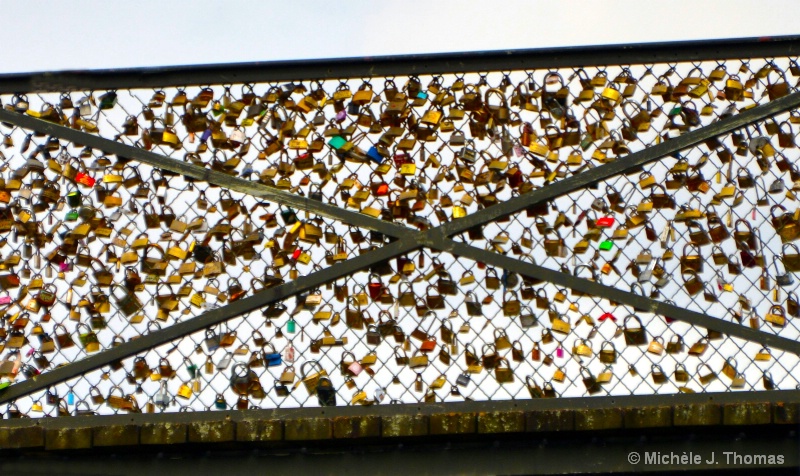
[405,240]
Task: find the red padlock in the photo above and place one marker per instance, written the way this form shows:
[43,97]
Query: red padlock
[84,179]
[536,354]
[401,158]
[375,287]
[514,178]
[605,222]
[428,344]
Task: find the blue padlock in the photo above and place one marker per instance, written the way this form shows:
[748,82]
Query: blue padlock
[374,155]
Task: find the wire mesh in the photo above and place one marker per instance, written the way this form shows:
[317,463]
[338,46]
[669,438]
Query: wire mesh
[97,252]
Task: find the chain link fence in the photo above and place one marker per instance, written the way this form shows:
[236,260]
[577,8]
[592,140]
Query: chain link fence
[100,250]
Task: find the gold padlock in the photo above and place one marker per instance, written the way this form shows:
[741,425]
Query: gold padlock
[185,391]
[656,346]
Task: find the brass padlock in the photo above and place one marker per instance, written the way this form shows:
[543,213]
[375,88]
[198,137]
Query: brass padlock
[608,354]
[634,335]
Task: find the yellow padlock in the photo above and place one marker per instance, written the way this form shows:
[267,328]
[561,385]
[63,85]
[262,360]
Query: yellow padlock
[185,391]
[197,300]
[408,169]
[538,149]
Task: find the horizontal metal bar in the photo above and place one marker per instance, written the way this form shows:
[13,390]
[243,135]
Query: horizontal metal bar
[208,319]
[199,173]
[503,60]
[616,295]
[622,165]
[520,405]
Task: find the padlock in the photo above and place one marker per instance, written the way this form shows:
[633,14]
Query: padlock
[705,374]
[582,348]
[776,316]
[418,360]
[634,335]
[589,381]
[675,344]
[657,374]
[656,346]
[373,336]
[502,372]
[512,306]
[536,353]
[698,348]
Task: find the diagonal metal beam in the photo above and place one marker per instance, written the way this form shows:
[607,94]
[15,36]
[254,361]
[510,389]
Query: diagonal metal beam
[630,161]
[409,241]
[625,297]
[199,173]
[207,319]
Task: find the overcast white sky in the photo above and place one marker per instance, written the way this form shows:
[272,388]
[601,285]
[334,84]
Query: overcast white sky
[42,35]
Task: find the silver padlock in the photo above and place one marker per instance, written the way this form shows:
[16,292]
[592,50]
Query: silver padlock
[225,361]
[162,398]
[644,276]
[211,341]
[85,107]
[380,394]
[777,186]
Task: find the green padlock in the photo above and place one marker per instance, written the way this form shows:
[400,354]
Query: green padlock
[72,215]
[108,100]
[606,245]
[337,142]
[291,326]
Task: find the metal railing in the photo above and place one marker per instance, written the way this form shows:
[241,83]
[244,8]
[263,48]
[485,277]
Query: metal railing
[487,226]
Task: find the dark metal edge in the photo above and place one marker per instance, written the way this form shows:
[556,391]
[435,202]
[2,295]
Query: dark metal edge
[501,60]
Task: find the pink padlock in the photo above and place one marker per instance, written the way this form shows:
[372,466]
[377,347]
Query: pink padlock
[355,368]
[560,353]
[5,299]
[341,115]
[288,353]
[63,267]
